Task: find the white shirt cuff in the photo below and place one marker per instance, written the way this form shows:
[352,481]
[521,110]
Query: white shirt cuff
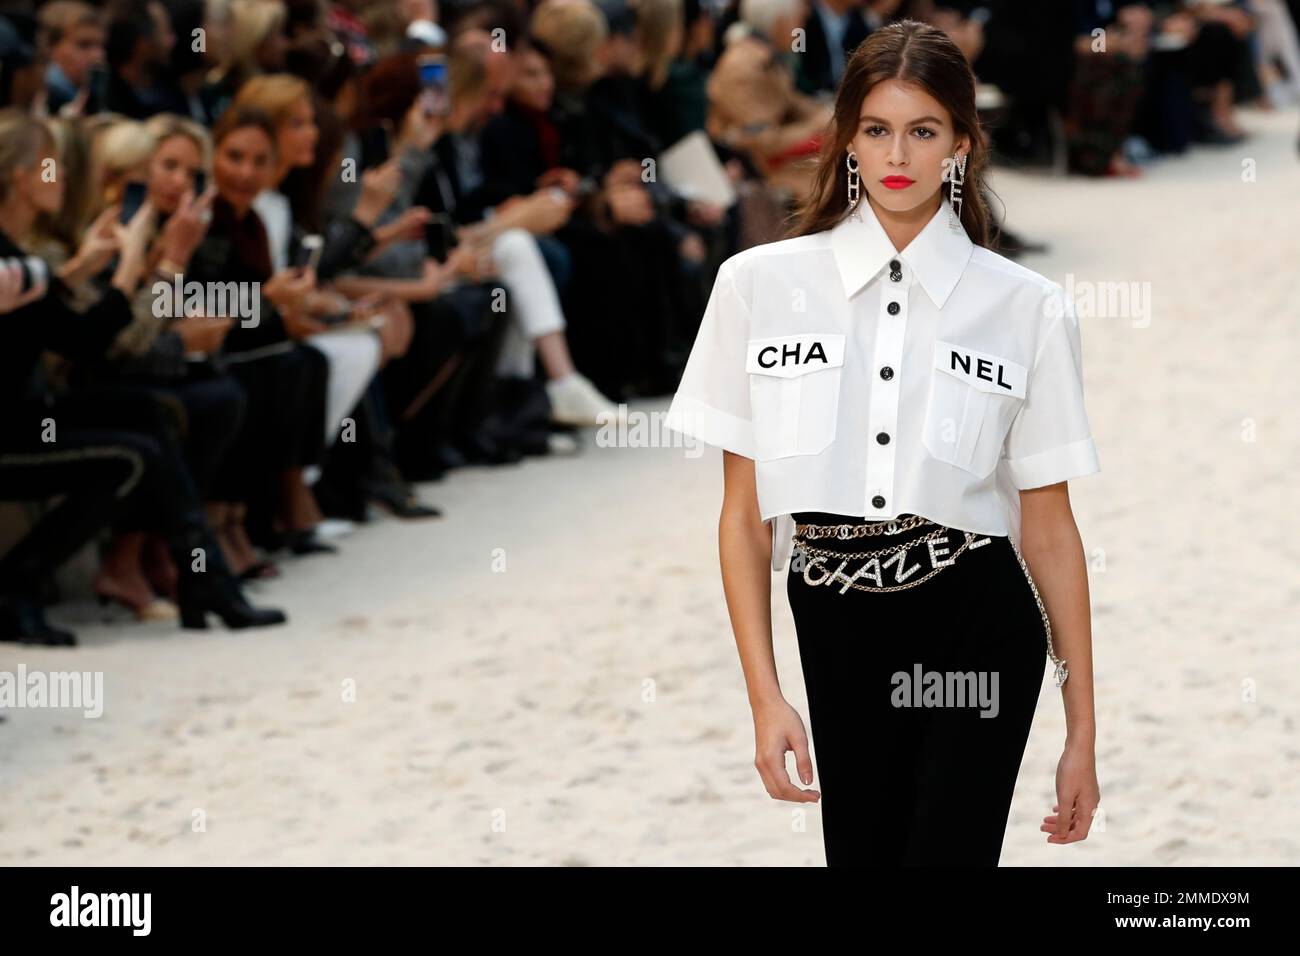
[690,416]
[1056,464]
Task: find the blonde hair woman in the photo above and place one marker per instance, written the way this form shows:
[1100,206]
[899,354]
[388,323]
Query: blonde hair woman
[182,151]
[255,41]
[573,30]
[658,37]
[119,154]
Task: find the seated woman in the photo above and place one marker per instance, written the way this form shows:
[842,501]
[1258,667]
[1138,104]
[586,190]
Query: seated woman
[284,379]
[353,349]
[360,337]
[170,355]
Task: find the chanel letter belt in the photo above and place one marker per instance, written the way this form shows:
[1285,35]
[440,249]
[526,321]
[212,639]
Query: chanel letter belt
[898,566]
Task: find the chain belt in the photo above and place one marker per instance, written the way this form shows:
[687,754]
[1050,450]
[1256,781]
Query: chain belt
[846,531]
[805,557]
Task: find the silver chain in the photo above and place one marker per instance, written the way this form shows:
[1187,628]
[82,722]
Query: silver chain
[1061,672]
[883,552]
[845,531]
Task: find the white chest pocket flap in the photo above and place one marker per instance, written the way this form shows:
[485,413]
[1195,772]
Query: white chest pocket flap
[794,392]
[790,355]
[989,373]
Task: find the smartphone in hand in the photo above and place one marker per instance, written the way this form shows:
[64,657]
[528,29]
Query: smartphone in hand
[132,200]
[435,93]
[312,247]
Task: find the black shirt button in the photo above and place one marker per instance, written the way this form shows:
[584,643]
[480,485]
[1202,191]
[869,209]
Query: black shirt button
[886,373]
[878,501]
[894,266]
[893,308]
[896,277]
[883,438]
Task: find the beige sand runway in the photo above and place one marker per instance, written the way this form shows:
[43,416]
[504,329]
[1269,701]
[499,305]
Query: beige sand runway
[547,675]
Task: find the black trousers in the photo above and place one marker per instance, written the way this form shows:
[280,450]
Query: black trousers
[116,454]
[906,779]
[283,427]
[208,403]
[214,414]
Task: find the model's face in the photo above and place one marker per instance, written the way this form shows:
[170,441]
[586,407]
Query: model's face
[172,169]
[298,134]
[241,166]
[533,85]
[77,51]
[903,137]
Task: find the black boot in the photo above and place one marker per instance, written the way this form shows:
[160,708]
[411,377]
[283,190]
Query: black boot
[215,590]
[23,620]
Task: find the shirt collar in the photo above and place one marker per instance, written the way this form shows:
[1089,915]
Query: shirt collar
[938,255]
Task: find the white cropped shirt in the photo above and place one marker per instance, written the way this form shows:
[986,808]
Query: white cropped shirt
[939,380]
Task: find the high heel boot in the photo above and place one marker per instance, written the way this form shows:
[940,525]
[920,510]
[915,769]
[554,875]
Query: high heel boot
[215,589]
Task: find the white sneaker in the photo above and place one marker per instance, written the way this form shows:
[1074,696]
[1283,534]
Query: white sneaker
[335,527]
[575,401]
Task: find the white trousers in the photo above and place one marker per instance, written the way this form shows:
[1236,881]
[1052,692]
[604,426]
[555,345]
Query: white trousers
[1277,40]
[353,356]
[534,304]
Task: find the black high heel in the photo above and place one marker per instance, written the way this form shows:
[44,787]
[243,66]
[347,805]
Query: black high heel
[214,589]
[218,593]
[401,501]
[304,541]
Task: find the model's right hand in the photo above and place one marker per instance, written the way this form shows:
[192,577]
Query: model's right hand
[778,728]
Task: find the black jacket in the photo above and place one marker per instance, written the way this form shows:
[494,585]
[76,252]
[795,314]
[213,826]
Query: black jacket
[814,73]
[48,324]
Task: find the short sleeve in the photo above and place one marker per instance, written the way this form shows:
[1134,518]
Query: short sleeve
[712,401]
[1050,439]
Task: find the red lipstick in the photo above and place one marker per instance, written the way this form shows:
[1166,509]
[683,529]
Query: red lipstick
[897,182]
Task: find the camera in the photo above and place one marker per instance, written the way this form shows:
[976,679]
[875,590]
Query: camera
[35,272]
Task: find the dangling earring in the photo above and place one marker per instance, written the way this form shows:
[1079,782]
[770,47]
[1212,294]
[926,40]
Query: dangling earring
[851,162]
[956,177]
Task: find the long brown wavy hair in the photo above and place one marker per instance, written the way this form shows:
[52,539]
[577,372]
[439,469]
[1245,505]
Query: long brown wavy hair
[912,52]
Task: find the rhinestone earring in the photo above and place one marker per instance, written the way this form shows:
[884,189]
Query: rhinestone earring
[851,163]
[956,177]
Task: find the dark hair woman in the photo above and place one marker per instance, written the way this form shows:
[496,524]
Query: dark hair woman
[905,406]
[285,380]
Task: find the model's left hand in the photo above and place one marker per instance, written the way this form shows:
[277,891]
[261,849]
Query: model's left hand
[1077,792]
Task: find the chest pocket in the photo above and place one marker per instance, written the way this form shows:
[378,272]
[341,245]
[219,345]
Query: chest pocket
[794,392]
[974,397]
